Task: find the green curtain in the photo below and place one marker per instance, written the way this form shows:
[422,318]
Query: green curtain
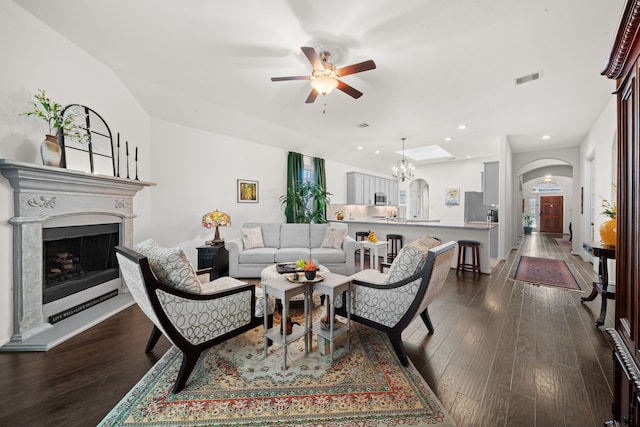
[295,174]
[321,180]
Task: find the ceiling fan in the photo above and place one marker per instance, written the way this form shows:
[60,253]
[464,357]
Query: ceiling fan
[325,76]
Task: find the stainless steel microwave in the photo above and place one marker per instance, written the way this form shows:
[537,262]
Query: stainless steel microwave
[381,198]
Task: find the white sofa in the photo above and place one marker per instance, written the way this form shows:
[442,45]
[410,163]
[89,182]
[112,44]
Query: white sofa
[287,243]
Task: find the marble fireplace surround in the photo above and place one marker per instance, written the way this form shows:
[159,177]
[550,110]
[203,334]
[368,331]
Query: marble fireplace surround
[47,197]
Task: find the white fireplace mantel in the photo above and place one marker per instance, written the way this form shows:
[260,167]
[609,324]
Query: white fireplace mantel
[45,197]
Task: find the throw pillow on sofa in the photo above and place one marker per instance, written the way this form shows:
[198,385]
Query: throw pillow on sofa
[333,238]
[252,238]
[170,265]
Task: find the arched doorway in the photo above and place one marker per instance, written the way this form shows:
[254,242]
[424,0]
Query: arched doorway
[419,199]
[546,188]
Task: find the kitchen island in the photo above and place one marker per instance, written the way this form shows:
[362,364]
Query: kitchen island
[484,232]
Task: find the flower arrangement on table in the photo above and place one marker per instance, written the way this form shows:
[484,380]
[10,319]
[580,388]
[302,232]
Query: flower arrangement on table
[608,228]
[216,219]
[309,268]
[609,209]
[306,265]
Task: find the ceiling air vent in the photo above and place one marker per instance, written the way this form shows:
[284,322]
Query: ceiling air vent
[529,78]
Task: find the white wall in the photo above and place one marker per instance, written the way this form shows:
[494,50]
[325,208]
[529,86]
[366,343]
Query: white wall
[601,142]
[35,57]
[439,176]
[197,171]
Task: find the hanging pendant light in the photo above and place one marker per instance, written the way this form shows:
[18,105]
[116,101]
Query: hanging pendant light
[404,169]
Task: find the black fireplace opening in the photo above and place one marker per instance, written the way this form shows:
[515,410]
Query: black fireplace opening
[78,258]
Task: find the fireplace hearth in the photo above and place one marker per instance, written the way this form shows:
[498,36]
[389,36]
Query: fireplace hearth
[65,226]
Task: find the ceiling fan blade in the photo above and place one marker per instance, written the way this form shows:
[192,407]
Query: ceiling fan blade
[312,96]
[282,79]
[356,68]
[349,90]
[313,57]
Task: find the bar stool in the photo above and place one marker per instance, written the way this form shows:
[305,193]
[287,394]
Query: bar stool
[474,266]
[395,244]
[361,235]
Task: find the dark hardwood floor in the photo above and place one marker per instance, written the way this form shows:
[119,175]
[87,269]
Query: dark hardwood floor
[504,353]
[508,353]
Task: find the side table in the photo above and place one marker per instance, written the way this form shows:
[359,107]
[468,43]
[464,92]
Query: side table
[283,289]
[332,286]
[216,257]
[373,252]
[604,253]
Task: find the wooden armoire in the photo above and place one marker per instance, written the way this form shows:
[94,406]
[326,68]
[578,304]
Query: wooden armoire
[624,66]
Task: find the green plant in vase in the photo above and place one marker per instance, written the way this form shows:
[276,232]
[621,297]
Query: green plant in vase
[307,201]
[58,123]
[608,229]
[528,222]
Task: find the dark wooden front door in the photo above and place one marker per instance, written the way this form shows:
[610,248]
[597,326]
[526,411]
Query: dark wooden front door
[551,208]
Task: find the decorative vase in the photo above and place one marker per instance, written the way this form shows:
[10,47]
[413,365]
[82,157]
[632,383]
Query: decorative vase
[50,151]
[310,275]
[339,217]
[608,232]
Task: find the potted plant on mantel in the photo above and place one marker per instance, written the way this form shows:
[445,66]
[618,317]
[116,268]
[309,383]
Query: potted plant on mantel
[53,114]
[528,222]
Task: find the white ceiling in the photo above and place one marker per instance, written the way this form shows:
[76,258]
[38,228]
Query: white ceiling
[440,63]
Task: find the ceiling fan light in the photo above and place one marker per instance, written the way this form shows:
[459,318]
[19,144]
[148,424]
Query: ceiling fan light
[324,84]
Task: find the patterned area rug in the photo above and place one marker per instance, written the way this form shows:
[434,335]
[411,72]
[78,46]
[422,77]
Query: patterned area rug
[545,271]
[234,384]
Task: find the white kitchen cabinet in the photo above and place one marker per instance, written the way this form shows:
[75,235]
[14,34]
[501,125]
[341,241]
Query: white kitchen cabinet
[361,189]
[491,183]
[355,188]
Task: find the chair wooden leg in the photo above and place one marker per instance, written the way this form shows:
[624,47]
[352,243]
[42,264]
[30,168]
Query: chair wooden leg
[153,339]
[188,363]
[427,320]
[396,342]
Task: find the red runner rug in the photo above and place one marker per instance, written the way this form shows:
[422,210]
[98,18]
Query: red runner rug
[545,271]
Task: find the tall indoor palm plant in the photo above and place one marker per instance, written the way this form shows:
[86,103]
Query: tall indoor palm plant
[308,201]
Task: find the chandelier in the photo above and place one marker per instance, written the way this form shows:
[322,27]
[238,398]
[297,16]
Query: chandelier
[325,80]
[404,169]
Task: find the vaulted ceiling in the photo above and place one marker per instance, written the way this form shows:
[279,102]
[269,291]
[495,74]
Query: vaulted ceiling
[208,64]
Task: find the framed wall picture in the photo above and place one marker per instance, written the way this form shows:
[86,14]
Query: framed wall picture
[452,196]
[247,191]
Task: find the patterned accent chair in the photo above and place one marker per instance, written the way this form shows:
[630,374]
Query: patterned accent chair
[195,317]
[390,301]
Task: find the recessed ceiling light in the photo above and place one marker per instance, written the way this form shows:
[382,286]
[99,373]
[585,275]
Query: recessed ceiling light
[468,157]
[546,136]
[462,126]
[377,151]
[448,138]
[360,147]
